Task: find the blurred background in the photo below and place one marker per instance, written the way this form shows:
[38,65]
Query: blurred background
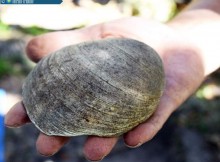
[192,134]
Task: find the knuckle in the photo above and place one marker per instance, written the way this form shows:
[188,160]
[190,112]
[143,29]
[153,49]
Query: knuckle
[107,32]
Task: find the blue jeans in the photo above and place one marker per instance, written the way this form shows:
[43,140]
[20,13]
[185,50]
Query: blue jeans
[2,132]
[1,138]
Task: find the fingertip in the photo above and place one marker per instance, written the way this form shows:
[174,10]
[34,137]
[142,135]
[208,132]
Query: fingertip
[96,148]
[43,148]
[132,139]
[43,45]
[33,49]
[49,145]
[16,116]
[145,131]
[139,135]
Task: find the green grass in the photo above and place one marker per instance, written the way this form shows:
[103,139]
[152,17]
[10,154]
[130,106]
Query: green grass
[5,67]
[14,66]
[4,27]
[33,30]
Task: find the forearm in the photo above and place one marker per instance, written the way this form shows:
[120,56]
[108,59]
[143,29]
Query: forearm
[199,25]
[199,11]
[213,5]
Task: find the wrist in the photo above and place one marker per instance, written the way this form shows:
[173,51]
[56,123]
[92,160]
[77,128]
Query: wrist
[192,18]
[213,5]
[200,30]
[204,40]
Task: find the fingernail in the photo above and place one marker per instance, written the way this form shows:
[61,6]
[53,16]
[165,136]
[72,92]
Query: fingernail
[48,155]
[135,146]
[12,126]
[8,123]
[95,160]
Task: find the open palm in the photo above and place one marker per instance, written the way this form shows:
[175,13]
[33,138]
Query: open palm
[183,70]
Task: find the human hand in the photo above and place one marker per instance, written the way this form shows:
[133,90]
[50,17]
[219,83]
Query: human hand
[183,70]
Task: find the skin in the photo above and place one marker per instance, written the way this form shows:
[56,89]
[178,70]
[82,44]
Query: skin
[187,45]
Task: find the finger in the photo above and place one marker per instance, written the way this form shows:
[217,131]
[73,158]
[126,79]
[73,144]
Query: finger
[147,130]
[45,44]
[49,145]
[16,116]
[96,148]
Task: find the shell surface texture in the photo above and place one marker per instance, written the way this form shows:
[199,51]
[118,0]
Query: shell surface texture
[103,88]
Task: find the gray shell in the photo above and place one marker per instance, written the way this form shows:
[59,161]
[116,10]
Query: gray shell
[102,88]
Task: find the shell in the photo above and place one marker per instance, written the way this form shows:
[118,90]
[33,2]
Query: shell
[102,88]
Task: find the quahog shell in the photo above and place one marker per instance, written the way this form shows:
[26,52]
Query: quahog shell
[102,88]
